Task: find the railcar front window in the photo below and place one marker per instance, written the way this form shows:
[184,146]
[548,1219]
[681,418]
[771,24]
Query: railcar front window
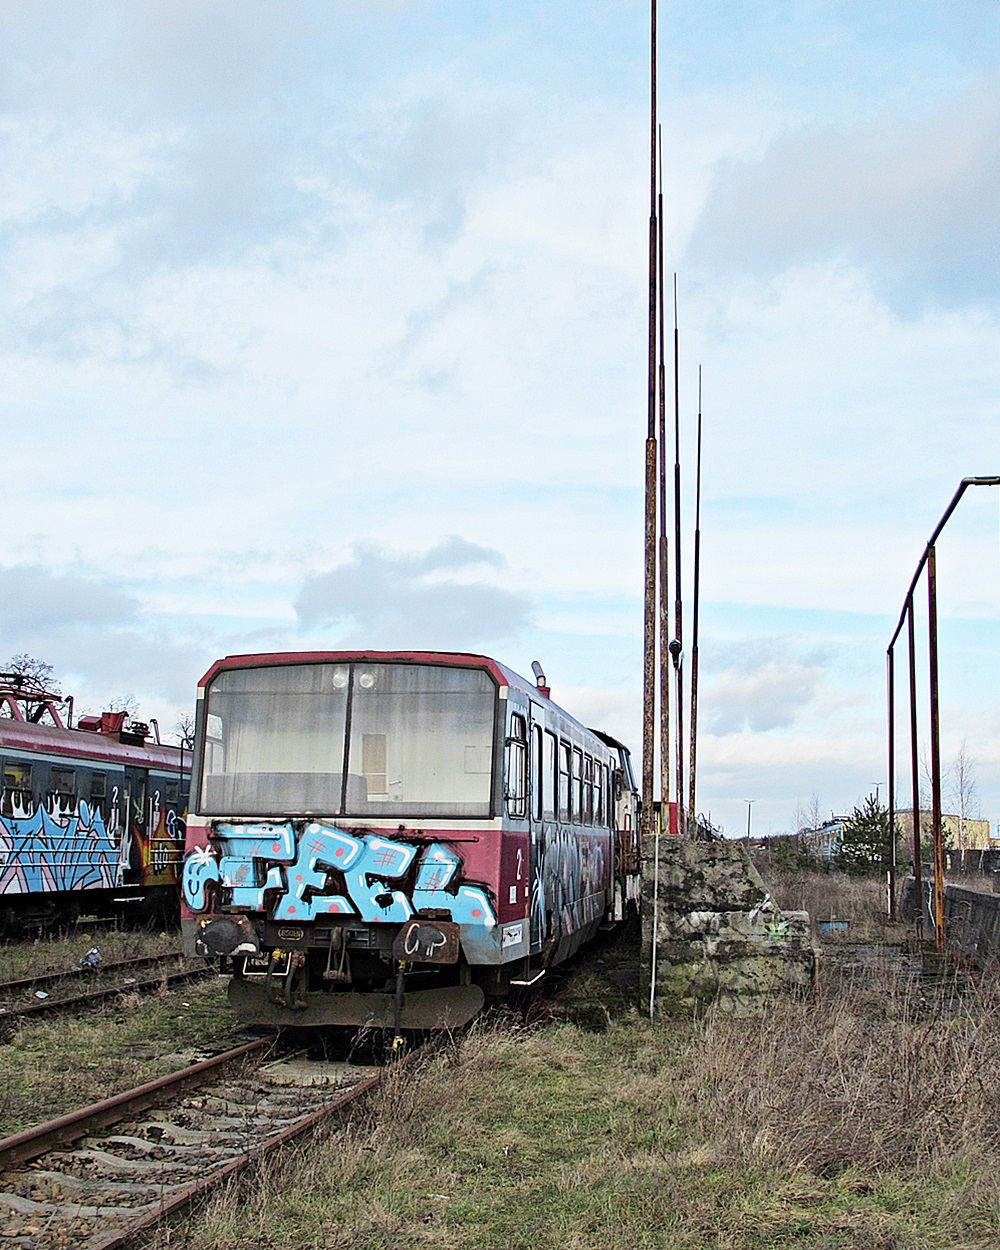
[274,740]
[421,740]
[349,739]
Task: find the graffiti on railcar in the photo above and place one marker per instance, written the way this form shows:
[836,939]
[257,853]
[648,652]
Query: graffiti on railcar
[61,850]
[327,871]
[160,849]
[571,869]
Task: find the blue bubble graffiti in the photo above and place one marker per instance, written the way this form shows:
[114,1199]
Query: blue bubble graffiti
[368,866]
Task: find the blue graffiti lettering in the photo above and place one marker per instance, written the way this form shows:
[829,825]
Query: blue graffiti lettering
[41,852]
[320,850]
[369,866]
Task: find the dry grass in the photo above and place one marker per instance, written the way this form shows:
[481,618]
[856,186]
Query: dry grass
[62,952]
[865,1118]
[872,1075]
[862,901]
[52,1066]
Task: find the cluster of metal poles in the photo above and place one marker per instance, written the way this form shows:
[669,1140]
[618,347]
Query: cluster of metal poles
[927,561]
[663,654]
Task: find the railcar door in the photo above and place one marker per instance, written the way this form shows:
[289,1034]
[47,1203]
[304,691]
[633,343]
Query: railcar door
[536,842]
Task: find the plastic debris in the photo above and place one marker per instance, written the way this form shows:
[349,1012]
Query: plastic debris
[92,959]
[40,994]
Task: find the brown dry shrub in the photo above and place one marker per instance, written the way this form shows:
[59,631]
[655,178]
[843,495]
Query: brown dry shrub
[867,1075]
[862,901]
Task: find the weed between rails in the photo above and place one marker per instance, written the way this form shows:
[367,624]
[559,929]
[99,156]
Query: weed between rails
[53,1066]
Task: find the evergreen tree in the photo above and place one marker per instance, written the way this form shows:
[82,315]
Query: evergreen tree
[866,846]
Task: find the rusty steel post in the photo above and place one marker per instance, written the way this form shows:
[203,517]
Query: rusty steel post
[918,873]
[907,616]
[649,618]
[693,755]
[664,545]
[935,752]
[891,868]
[676,646]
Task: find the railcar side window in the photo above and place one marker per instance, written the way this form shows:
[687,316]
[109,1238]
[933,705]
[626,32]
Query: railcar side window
[16,787]
[98,787]
[598,792]
[62,785]
[549,785]
[588,790]
[564,780]
[516,788]
[577,797]
[537,793]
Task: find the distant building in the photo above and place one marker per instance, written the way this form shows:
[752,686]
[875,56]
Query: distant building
[958,834]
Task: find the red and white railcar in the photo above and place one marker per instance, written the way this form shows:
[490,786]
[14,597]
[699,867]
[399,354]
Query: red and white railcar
[386,838]
[91,816]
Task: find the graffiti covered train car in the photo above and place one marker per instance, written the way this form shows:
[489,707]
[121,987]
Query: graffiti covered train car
[388,838]
[91,816]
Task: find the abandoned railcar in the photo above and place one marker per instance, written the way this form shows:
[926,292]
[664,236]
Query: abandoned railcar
[388,838]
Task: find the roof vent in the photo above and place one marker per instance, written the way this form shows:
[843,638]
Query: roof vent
[543,689]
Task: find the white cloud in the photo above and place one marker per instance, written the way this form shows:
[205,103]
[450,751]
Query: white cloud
[407,602]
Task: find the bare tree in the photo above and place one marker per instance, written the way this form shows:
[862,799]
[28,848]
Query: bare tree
[37,674]
[962,790]
[126,703]
[184,729]
[807,814]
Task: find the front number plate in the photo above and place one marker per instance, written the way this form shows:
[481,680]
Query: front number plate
[427,942]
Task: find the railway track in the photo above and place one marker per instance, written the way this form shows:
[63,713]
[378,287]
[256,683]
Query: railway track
[99,1178]
[16,1003]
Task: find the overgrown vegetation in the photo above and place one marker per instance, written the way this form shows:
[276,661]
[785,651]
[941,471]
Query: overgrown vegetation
[849,1122]
[865,1117]
[62,952]
[861,901]
[51,1066]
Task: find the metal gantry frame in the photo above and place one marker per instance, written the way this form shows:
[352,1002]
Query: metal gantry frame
[928,561]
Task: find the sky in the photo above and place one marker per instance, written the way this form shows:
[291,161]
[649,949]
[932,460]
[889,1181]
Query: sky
[323,324]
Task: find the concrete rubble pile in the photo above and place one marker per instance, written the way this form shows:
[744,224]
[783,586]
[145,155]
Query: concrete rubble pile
[720,940]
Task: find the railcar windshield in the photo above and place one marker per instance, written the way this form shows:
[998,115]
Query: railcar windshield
[354,739]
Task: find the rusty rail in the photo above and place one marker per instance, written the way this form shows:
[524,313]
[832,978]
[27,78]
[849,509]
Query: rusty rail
[32,1142]
[54,978]
[275,1115]
[103,993]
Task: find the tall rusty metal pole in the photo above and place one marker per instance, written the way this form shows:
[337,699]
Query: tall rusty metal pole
[918,871]
[935,752]
[677,643]
[664,600]
[891,698]
[649,616]
[693,757]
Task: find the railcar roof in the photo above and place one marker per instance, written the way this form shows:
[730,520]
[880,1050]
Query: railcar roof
[79,744]
[503,675]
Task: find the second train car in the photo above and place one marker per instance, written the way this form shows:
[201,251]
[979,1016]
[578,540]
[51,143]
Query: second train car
[91,815]
[388,838]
